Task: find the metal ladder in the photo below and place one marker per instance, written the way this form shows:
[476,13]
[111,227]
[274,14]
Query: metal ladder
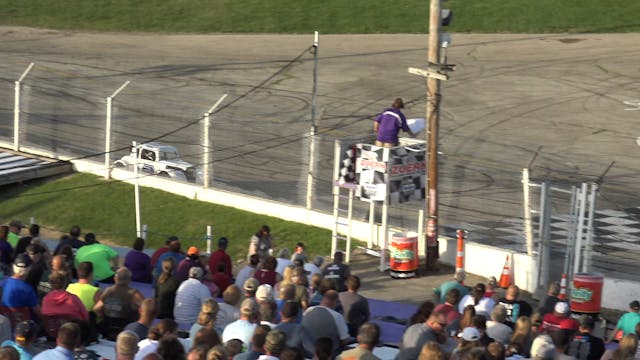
[342,217]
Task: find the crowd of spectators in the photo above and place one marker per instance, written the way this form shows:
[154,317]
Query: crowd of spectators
[485,326]
[284,307]
[81,294]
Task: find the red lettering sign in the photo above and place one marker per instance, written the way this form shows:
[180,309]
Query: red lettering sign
[408,168]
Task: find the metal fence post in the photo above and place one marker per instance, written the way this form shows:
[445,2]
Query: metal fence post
[209,235]
[16,110]
[544,232]
[107,131]
[314,126]
[206,144]
[588,246]
[580,229]
[527,211]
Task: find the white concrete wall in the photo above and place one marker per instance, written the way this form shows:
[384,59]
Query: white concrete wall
[617,294]
[488,261]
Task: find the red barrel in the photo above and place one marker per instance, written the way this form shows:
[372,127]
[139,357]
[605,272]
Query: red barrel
[403,251]
[586,293]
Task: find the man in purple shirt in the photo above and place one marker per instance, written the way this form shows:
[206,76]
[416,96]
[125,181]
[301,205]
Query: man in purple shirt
[388,124]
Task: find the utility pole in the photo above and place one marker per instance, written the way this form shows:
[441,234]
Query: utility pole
[433,120]
[434,73]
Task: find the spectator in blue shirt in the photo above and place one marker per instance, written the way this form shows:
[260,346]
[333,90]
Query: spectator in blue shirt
[17,293]
[68,338]
[174,252]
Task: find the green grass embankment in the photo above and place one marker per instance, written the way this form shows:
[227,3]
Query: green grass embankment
[107,209]
[327,17]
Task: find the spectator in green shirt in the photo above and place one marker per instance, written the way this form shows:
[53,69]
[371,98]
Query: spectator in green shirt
[103,258]
[15,227]
[627,323]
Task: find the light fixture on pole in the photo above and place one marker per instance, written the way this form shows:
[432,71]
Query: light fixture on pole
[107,140]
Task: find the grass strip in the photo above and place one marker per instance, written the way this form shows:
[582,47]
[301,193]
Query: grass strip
[328,17]
[106,208]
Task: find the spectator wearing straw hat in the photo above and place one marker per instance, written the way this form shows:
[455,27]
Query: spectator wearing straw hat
[244,327]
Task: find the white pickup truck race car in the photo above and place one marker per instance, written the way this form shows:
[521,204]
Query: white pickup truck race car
[159,159]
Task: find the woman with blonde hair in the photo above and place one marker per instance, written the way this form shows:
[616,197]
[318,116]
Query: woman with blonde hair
[206,317]
[431,351]
[626,350]
[522,337]
[217,352]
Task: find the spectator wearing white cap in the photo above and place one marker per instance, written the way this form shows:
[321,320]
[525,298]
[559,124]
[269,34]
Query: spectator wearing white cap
[244,327]
[542,348]
[17,293]
[558,319]
[190,296]
[468,339]
[264,293]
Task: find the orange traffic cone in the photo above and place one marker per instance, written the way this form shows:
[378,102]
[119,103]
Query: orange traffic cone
[563,288]
[460,252]
[505,278]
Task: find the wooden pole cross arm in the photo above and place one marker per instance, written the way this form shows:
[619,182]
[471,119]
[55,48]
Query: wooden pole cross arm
[430,73]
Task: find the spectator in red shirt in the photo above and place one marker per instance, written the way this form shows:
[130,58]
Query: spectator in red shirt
[559,319]
[450,310]
[220,256]
[59,302]
[220,277]
[267,274]
[162,250]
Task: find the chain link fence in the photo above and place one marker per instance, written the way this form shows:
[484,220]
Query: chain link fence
[260,139]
